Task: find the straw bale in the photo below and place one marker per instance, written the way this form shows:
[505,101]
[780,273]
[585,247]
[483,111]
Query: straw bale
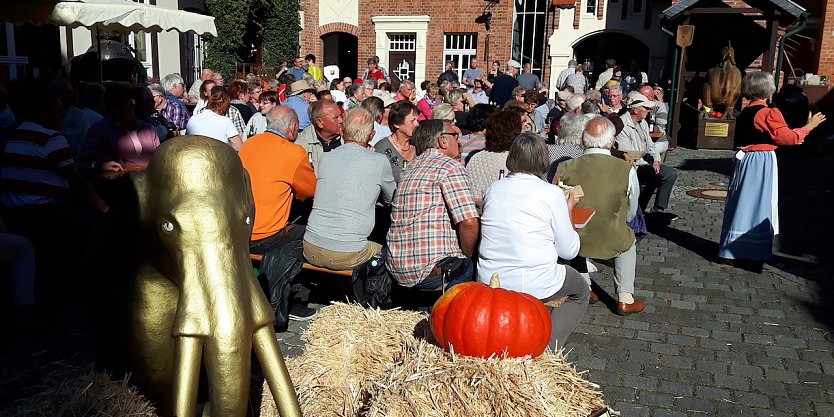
[93,394]
[373,363]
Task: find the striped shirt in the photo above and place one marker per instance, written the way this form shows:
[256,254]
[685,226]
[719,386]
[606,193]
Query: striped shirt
[29,172]
[431,198]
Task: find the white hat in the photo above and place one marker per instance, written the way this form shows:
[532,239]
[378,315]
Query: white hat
[513,64]
[387,98]
[635,99]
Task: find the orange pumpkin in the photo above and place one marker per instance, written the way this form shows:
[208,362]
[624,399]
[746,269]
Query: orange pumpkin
[476,319]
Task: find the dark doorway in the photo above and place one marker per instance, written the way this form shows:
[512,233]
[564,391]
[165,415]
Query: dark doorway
[618,45]
[341,49]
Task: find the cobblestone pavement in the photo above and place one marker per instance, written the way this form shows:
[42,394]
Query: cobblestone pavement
[716,340]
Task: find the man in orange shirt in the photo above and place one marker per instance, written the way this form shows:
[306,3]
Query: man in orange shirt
[279,171]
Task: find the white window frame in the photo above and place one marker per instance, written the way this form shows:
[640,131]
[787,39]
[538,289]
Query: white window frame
[589,4]
[17,64]
[402,42]
[459,45]
[146,36]
[517,17]
[417,24]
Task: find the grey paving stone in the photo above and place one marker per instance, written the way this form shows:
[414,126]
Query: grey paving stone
[691,405]
[749,371]
[752,399]
[782,352]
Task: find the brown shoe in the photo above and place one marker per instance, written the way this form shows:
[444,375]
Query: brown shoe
[592,298]
[637,306]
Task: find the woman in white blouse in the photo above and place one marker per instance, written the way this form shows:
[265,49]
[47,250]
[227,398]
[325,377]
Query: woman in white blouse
[212,121]
[525,228]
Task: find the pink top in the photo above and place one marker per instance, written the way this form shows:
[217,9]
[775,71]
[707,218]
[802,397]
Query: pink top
[425,106]
[772,121]
[111,142]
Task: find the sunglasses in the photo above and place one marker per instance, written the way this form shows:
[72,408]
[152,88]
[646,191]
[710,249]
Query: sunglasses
[453,134]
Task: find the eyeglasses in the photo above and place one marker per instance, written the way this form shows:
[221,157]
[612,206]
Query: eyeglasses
[452,134]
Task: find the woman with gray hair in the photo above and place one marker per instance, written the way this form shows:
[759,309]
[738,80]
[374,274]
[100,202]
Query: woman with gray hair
[525,228]
[751,216]
[568,143]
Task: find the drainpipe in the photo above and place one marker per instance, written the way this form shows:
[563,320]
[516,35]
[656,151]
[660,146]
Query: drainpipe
[672,96]
[803,21]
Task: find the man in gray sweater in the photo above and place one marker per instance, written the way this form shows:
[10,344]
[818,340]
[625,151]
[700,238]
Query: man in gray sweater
[352,178]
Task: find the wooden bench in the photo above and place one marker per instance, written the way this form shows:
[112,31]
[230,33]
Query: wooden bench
[310,267]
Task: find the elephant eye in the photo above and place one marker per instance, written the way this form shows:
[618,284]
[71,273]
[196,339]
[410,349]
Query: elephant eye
[167,226]
[248,220]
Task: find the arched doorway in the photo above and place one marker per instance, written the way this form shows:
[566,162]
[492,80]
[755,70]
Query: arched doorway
[618,45]
[341,49]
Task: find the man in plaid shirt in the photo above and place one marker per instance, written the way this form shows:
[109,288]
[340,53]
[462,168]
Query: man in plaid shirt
[174,110]
[432,199]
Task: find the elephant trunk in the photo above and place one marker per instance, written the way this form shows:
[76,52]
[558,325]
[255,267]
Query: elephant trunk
[216,309]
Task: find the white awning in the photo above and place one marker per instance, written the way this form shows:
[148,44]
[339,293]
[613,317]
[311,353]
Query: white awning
[111,15]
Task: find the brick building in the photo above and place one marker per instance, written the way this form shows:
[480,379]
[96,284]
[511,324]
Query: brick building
[415,37]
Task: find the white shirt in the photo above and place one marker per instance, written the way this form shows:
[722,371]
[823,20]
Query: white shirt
[480,97]
[633,183]
[563,76]
[213,125]
[256,125]
[635,138]
[380,132]
[525,227]
[338,96]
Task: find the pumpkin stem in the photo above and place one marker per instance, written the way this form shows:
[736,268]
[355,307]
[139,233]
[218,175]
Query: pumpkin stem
[494,281]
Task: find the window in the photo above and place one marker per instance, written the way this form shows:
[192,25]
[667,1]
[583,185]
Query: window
[637,7]
[460,48]
[402,42]
[402,55]
[529,33]
[591,7]
[140,41]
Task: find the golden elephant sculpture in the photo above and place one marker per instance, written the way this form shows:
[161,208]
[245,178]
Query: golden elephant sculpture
[195,304]
[723,84]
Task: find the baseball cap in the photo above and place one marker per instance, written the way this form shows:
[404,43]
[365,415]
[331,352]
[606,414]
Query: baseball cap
[513,64]
[635,99]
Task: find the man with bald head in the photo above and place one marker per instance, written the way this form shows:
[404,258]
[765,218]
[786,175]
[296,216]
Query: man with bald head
[657,118]
[194,91]
[351,180]
[279,171]
[324,132]
[615,197]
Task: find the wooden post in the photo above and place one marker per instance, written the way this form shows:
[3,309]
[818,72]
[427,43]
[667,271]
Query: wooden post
[676,116]
[770,55]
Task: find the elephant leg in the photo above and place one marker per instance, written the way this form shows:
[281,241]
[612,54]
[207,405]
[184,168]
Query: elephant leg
[228,369]
[275,370]
[187,376]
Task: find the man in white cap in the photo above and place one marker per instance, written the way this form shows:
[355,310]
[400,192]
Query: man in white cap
[652,174]
[300,96]
[502,87]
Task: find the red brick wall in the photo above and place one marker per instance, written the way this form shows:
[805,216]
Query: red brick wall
[446,17]
[310,38]
[826,42]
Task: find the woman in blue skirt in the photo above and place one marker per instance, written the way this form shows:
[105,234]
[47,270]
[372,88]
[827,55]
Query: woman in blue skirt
[751,215]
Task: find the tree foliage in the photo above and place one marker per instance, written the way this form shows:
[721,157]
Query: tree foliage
[280,31]
[243,26]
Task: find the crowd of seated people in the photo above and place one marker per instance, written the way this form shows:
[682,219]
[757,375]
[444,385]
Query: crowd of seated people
[408,179]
